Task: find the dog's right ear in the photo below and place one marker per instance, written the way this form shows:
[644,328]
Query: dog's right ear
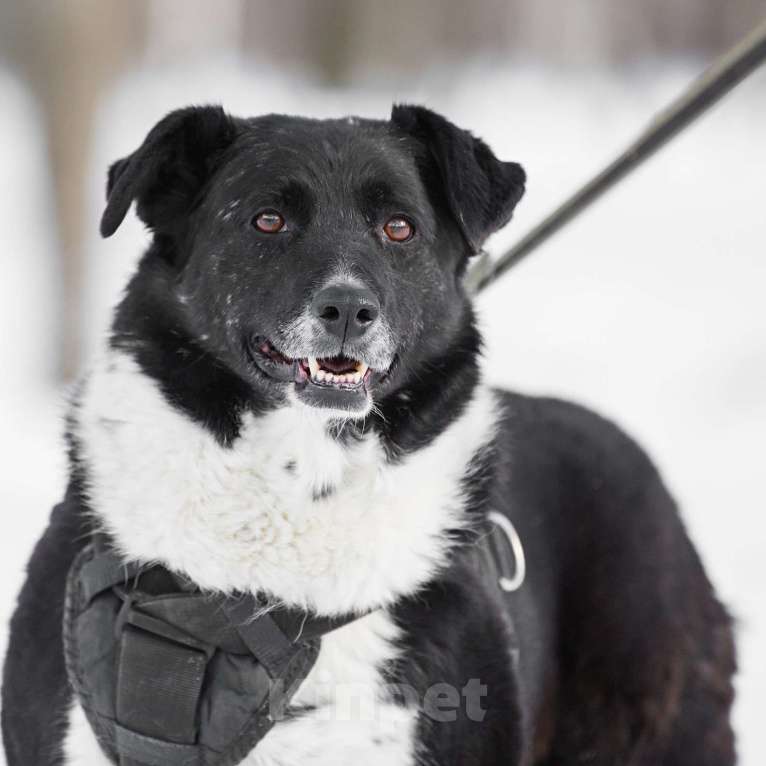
[481,190]
[165,174]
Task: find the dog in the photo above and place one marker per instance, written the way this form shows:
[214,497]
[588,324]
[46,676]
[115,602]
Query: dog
[290,403]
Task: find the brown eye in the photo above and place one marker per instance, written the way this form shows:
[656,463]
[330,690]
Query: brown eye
[269,222]
[399,229]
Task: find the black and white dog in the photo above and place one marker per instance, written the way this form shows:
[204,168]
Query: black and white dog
[290,403]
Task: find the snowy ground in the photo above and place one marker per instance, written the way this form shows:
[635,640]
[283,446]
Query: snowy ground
[650,308]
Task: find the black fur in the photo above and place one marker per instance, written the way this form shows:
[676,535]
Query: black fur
[169,170]
[625,651]
[624,654]
[36,693]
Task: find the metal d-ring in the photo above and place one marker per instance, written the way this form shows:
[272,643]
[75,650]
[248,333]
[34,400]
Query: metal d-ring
[509,584]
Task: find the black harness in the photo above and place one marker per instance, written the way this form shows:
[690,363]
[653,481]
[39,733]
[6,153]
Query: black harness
[169,675]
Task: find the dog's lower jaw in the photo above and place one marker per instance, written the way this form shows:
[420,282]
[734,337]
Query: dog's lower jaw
[331,413]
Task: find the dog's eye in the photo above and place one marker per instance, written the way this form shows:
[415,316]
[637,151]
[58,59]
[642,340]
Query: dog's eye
[269,222]
[399,229]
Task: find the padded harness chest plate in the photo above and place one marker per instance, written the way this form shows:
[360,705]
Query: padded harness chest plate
[169,675]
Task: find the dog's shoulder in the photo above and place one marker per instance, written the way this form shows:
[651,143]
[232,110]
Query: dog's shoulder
[579,488]
[562,428]
[595,463]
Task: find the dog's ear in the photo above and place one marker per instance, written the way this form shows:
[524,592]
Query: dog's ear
[165,174]
[481,191]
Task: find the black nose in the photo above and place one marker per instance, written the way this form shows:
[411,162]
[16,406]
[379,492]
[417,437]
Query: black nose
[345,310]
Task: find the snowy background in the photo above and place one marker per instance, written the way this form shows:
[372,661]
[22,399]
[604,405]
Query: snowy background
[651,308]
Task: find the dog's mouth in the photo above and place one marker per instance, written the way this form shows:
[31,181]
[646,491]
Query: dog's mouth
[335,382]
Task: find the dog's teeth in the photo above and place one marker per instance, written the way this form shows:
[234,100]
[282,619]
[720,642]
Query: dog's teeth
[321,375]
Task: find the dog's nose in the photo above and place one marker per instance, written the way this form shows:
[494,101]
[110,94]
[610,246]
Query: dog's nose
[345,310]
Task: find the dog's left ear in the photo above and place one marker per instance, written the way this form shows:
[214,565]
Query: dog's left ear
[167,171]
[481,191]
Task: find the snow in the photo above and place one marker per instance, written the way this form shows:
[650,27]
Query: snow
[650,307]
[30,450]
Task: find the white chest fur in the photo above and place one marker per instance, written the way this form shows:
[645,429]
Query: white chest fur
[290,511]
[250,516]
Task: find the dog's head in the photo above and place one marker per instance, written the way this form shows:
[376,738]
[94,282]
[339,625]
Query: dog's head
[318,261]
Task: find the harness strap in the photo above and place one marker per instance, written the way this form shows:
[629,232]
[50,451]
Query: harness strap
[139,750]
[298,627]
[499,558]
[99,573]
[262,636]
[158,686]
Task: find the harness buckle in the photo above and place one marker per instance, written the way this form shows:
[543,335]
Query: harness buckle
[131,614]
[162,629]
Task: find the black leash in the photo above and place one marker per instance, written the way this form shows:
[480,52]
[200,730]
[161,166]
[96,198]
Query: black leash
[723,75]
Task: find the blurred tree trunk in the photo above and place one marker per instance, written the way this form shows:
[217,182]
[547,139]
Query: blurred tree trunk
[176,28]
[341,41]
[68,51]
[302,34]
